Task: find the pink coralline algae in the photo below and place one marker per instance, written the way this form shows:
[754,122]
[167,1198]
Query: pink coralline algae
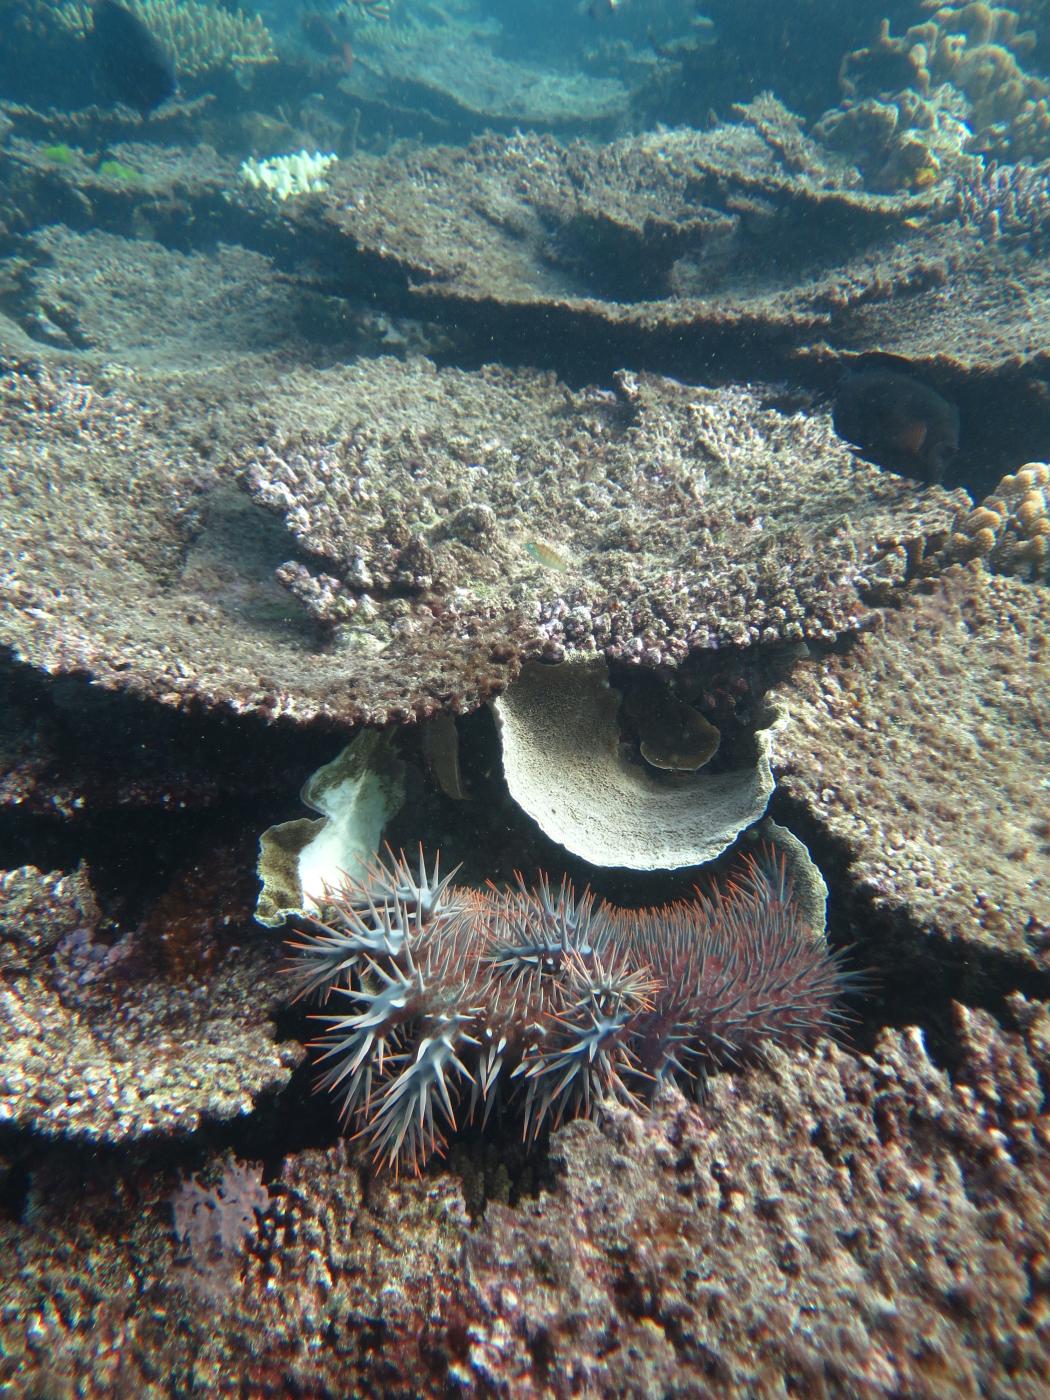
[439,1001]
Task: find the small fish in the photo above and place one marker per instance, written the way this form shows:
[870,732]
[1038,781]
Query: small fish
[131,61]
[600,9]
[322,36]
[549,558]
[899,422]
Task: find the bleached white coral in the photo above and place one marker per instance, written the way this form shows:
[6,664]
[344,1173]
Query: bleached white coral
[287,176]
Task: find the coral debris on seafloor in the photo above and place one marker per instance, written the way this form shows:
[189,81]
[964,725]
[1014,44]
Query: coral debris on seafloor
[440,1001]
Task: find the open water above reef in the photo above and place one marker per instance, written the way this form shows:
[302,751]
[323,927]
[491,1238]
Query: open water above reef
[606,442]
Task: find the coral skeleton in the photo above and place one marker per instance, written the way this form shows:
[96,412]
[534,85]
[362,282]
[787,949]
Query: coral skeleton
[439,1003]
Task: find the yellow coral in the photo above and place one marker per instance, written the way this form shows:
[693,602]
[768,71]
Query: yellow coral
[1010,529]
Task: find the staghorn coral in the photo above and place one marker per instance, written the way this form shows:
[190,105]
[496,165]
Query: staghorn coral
[1010,530]
[440,1002]
[1005,201]
[200,37]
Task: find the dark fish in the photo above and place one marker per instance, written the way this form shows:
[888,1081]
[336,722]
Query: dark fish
[898,421]
[132,62]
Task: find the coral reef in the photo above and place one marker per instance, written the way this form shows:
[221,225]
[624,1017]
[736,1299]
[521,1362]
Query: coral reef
[925,753]
[98,1046]
[853,1223]
[565,766]
[437,999]
[200,37]
[712,230]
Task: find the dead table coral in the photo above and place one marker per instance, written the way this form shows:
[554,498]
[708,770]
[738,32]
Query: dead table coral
[926,752]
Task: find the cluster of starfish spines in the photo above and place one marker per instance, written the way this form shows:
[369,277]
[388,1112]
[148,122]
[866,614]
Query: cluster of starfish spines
[440,1002]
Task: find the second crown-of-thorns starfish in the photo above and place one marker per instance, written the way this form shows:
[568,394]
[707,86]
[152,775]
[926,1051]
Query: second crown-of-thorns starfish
[439,1000]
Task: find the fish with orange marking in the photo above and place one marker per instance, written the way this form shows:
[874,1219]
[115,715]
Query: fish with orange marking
[899,422]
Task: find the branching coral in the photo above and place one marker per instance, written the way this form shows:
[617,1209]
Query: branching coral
[201,37]
[441,1002]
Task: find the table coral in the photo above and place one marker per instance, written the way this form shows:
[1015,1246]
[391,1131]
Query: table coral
[688,517]
[95,1047]
[200,37]
[926,753]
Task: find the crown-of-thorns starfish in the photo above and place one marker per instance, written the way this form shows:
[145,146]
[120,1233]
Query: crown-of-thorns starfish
[439,1002]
